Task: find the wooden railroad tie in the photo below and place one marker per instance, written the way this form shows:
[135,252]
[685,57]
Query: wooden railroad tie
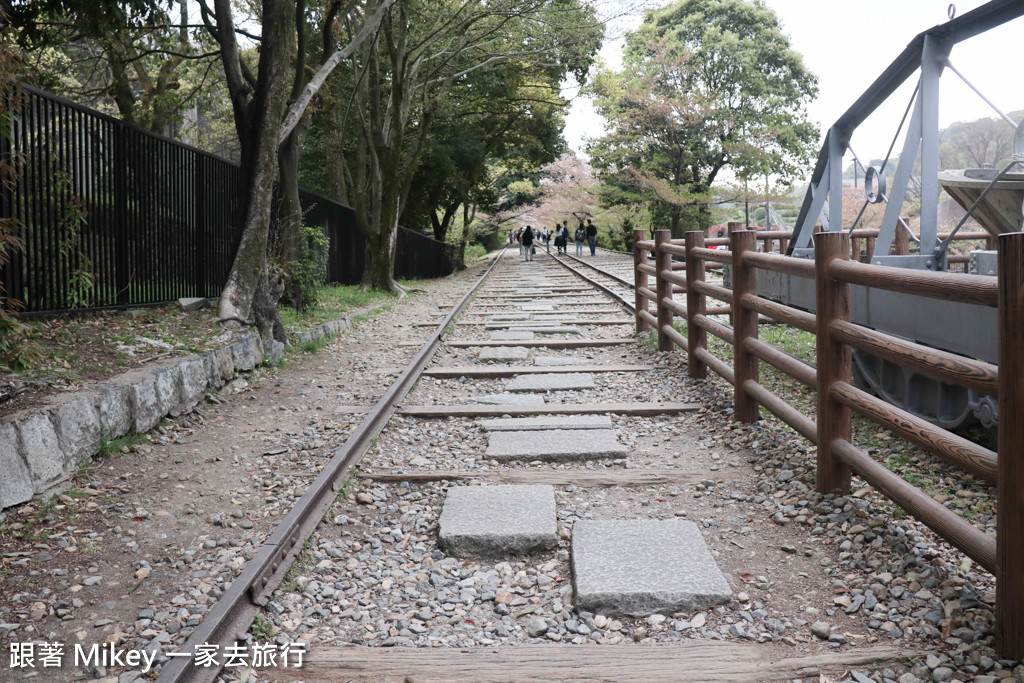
[685,661]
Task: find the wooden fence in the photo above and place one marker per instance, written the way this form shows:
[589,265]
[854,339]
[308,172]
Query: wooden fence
[833,272]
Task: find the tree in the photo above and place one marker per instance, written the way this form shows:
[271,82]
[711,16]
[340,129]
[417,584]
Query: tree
[707,85]
[984,143]
[509,113]
[264,119]
[426,54]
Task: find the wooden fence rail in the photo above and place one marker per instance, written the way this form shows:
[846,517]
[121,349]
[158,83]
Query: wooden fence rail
[834,269]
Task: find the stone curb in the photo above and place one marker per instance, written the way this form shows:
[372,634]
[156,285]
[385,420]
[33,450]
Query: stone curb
[40,447]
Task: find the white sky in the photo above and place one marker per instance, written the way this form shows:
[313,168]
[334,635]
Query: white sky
[847,45]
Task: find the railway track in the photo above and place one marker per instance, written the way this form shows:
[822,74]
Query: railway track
[538,385]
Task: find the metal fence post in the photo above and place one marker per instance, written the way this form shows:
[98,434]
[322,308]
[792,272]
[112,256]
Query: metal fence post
[696,304]
[745,364]
[201,233]
[834,359]
[663,287]
[1010,487]
[123,243]
[639,280]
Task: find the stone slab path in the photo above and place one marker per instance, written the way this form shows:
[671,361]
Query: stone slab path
[638,567]
[504,353]
[553,382]
[498,521]
[560,445]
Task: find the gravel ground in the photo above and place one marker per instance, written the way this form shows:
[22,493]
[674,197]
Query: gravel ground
[810,573]
[137,552]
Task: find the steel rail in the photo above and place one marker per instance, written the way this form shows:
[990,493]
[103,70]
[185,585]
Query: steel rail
[628,305]
[234,612]
[612,276]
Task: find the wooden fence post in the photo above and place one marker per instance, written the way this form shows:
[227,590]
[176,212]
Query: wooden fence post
[1010,487]
[901,240]
[834,359]
[871,248]
[663,287]
[696,303]
[745,364]
[639,280]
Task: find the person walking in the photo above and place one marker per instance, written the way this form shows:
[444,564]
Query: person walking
[580,237]
[528,242]
[592,237]
[564,235]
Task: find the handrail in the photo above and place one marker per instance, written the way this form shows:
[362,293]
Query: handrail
[837,399]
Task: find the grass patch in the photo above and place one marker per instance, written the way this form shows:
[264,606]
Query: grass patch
[310,345]
[112,446]
[475,252]
[350,483]
[262,629]
[334,302]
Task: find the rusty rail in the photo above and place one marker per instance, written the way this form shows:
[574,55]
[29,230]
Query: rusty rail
[229,619]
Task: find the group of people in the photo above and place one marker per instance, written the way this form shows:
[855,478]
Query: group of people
[528,236]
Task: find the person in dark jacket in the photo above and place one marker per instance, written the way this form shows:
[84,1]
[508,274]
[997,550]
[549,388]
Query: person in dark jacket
[592,237]
[528,242]
[580,237]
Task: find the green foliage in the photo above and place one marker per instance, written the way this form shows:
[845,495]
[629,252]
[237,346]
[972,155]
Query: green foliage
[475,252]
[333,302]
[113,446]
[17,350]
[309,271]
[706,85]
[262,629]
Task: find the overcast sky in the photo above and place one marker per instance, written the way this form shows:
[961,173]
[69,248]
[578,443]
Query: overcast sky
[847,45]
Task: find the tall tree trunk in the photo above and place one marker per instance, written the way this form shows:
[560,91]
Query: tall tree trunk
[381,243]
[290,220]
[467,220]
[261,118]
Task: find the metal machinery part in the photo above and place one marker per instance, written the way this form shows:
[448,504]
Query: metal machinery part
[994,198]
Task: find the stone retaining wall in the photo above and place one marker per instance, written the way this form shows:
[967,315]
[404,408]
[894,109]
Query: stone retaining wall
[41,446]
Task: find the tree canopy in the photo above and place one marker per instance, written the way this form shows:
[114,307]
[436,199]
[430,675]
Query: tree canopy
[707,85]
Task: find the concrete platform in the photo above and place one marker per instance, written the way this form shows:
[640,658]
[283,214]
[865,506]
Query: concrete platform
[498,521]
[555,445]
[529,424]
[569,381]
[504,353]
[537,307]
[505,399]
[512,335]
[635,568]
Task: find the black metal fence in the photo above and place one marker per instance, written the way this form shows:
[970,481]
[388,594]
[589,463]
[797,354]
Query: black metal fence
[113,215]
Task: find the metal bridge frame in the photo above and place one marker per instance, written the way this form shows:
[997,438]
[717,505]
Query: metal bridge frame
[929,52]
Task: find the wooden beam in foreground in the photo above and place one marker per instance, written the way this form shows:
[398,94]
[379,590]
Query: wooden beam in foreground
[549,409]
[687,661]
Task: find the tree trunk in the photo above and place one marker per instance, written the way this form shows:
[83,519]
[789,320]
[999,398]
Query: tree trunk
[261,117]
[467,220]
[381,244]
[291,222]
